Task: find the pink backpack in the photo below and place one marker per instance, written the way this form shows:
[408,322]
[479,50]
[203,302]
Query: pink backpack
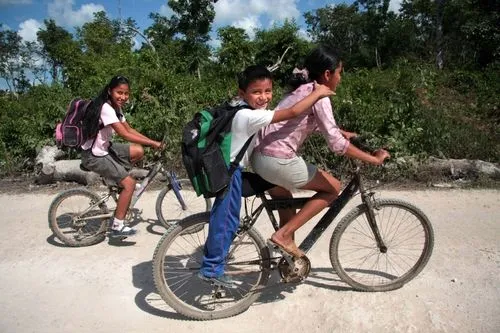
[70,133]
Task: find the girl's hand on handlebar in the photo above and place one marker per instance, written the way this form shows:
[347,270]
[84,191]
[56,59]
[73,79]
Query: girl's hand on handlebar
[157,145]
[381,155]
[348,135]
[322,90]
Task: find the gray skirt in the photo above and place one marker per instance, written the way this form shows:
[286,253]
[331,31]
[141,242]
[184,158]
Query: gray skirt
[292,173]
[114,167]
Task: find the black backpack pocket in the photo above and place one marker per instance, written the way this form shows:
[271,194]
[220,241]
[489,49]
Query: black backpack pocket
[72,136]
[216,174]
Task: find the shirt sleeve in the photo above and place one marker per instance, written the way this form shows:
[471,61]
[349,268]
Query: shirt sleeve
[256,119]
[326,124]
[108,115]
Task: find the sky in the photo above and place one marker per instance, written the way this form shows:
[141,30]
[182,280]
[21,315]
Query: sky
[27,16]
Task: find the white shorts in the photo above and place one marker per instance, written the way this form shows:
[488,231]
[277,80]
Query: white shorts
[293,173]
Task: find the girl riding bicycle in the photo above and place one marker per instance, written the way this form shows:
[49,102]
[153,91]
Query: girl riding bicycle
[275,156]
[113,160]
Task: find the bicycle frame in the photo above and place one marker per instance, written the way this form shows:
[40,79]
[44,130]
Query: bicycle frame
[113,192]
[336,207]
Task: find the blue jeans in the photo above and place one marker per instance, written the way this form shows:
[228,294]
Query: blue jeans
[224,222]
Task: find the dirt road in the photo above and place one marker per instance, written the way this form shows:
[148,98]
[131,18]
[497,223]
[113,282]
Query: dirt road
[45,287]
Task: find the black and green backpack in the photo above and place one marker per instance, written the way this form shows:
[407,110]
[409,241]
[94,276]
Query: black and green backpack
[206,148]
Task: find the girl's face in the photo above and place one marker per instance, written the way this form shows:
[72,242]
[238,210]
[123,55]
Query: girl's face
[119,95]
[258,93]
[332,78]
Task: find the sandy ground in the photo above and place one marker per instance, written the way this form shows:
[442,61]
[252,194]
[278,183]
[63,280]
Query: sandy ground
[45,287]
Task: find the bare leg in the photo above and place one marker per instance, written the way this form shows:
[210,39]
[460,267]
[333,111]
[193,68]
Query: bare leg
[128,184]
[328,188]
[279,192]
[136,153]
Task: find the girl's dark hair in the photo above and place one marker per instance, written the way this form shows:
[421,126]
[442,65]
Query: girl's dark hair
[319,60]
[251,74]
[91,121]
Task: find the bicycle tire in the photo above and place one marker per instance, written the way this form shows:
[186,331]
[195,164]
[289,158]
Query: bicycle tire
[177,260]
[168,208]
[67,206]
[353,240]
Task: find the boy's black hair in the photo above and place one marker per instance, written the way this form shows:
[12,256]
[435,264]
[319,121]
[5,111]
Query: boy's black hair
[251,74]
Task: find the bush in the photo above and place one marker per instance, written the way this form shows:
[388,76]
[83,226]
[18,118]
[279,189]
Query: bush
[413,109]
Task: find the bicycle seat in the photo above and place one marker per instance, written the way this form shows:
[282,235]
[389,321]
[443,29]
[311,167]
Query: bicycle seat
[253,184]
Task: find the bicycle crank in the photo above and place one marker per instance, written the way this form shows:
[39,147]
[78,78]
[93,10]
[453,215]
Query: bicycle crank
[297,271]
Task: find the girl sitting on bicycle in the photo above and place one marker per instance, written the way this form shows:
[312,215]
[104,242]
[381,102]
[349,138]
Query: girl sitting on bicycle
[113,160]
[275,156]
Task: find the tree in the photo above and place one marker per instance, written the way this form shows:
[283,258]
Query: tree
[58,48]
[100,35]
[375,16]
[338,26]
[13,60]
[235,52]
[471,31]
[192,19]
[421,16]
[271,44]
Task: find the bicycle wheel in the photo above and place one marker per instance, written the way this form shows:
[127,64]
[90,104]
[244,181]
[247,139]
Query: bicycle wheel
[407,234]
[177,261]
[169,209]
[70,218]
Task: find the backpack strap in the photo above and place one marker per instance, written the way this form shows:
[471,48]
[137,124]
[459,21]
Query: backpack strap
[234,164]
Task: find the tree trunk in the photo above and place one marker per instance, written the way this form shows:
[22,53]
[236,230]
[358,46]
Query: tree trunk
[377,58]
[439,34]
[49,169]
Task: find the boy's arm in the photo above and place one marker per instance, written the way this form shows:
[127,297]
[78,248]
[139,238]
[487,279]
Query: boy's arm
[298,108]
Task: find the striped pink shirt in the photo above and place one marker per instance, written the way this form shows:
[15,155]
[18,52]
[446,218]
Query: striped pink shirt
[283,139]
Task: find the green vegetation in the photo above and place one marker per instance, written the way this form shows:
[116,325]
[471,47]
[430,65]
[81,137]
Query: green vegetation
[424,82]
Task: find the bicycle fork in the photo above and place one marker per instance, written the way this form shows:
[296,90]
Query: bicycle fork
[176,187]
[368,201]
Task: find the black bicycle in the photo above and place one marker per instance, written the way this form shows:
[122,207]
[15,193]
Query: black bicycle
[378,246]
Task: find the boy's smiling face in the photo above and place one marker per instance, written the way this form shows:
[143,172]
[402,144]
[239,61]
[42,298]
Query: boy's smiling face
[258,93]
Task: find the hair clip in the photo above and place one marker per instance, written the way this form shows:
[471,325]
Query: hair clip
[302,72]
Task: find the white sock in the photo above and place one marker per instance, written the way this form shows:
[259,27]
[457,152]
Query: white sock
[117,224]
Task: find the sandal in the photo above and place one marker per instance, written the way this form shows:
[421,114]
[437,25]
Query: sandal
[293,251]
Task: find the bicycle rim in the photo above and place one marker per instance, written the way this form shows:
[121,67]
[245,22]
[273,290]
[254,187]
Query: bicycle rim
[177,261]
[66,212]
[358,261]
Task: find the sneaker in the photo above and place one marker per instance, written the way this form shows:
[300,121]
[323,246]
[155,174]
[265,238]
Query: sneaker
[123,232]
[220,281]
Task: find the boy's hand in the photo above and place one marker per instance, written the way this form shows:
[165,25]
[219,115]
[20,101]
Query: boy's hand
[322,90]
[381,155]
